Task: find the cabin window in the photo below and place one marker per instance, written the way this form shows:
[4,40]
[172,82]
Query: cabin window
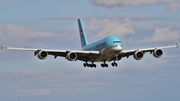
[116,41]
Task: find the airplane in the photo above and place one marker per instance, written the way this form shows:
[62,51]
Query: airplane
[105,50]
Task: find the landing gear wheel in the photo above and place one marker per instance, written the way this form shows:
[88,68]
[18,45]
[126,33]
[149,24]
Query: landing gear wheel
[114,64]
[84,64]
[94,65]
[104,65]
[90,65]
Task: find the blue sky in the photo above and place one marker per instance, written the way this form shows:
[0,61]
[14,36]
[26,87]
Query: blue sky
[52,24]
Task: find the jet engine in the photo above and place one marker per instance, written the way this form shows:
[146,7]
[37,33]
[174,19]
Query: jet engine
[42,55]
[71,56]
[157,53]
[138,55]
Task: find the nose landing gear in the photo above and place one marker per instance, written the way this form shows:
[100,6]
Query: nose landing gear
[114,64]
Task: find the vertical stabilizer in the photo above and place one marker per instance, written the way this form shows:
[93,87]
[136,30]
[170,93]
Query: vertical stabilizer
[82,34]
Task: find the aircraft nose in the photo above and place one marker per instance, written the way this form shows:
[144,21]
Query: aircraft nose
[117,48]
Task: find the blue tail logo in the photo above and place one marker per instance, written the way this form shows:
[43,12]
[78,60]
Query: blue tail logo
[82,34]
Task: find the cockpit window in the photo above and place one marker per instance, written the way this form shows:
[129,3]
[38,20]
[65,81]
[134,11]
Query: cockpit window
[116,41]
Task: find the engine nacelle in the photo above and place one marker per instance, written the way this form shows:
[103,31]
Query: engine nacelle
[42,55]
[71,56]
[138,55]
[157,53]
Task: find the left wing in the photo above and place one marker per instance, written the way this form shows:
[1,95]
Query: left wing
[139,53]
[71,55]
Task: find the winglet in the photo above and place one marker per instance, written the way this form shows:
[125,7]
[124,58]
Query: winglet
[176,45]
[3,47]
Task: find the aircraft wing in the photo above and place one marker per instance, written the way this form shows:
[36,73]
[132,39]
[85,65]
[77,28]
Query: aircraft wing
[87,55]
[127,53]
[81,54]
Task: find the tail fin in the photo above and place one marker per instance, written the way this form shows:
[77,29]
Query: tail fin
[82,34]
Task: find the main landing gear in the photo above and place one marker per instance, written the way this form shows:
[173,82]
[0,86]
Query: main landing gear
[114,64]
[104,65]
[89,65]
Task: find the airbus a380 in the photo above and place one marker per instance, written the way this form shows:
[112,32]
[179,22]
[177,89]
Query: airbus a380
[105,50]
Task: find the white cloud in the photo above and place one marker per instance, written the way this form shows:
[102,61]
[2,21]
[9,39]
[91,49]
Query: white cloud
[173,7]
[19,34]
[119,3]
[163,34]
[20,31]
[110,27]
